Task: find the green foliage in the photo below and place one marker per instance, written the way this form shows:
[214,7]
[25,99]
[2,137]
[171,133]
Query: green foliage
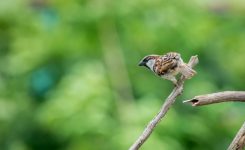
[69,78]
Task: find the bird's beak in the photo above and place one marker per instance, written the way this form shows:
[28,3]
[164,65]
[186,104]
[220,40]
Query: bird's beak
[142,63]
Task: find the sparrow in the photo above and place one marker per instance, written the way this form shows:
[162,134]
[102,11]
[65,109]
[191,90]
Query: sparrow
[168,66]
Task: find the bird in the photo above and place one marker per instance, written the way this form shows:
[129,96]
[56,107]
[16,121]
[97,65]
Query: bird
[167,66]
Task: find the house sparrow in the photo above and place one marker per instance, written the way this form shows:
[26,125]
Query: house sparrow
[167,66]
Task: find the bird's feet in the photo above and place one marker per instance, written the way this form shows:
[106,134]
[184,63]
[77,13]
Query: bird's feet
[175,83]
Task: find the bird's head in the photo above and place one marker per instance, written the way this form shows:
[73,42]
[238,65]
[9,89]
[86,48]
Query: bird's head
[148,61]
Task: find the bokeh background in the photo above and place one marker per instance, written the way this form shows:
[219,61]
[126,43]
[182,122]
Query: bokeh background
[69,78]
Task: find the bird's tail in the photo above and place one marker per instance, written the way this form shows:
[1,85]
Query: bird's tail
[187,71]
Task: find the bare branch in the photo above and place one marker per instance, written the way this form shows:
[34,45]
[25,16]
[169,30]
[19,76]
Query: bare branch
[165,107]
[238,142]
[236,96]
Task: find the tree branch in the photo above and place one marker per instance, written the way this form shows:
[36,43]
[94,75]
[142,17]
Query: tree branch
[236,96]
[238,142]
[165,107]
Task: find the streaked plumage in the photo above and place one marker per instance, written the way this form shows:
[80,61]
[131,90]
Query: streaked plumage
[167,66]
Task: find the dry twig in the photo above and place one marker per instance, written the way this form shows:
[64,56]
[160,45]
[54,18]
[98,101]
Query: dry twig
[238,142]
[236,96]
[165,107]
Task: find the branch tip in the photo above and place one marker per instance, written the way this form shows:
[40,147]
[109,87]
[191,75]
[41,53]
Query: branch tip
[194,102]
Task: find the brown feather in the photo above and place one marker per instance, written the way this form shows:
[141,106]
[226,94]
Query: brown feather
[165,64]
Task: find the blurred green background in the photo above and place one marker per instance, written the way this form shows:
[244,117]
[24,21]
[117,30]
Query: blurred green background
[69,78]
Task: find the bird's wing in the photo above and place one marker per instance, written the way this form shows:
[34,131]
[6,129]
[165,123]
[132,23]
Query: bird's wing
[165,64]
